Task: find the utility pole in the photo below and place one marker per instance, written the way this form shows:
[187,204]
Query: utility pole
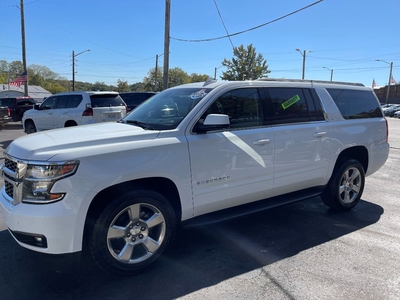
[73,66]
[73,70]
[390,80]
[390,77]
[23,45]
[166,43]
[304,60]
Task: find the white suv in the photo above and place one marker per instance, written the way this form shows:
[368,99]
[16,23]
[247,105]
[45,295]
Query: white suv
[74,108]
[192,153]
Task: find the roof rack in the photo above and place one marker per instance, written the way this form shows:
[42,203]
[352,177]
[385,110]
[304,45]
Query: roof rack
[310,81]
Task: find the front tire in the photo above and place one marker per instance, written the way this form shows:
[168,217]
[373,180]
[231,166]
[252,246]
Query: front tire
[132,232]
[30,127]
[345,187]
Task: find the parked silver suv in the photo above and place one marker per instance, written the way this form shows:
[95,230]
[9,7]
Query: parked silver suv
[74,108]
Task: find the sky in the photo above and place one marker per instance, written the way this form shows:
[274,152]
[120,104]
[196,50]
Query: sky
[125,36]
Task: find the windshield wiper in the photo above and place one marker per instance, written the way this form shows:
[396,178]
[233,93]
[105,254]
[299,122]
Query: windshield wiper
[138,123]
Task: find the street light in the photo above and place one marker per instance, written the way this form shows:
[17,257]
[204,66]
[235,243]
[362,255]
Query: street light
[390,77]
[156,70]
[329,70]
[73,66]
[215,71]
[304,60]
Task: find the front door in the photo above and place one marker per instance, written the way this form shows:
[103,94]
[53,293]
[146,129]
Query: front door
[235,165]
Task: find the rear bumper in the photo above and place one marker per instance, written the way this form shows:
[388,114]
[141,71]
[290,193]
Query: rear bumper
[4,121]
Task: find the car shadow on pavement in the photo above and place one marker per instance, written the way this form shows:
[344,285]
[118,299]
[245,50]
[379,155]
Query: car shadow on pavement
[4,144]
[199,258]
[13,126]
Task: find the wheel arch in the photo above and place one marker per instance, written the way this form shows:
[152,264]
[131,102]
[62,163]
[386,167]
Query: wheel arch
[164,186]
[26,121]
[70,123]
[359,153]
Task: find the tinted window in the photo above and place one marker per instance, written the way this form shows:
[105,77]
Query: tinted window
[62,101]
[49,103]
[288,105]
[6,102]
[106,100]
[21,102]
[243,107]
[356,104]
[74,101]
[134,99]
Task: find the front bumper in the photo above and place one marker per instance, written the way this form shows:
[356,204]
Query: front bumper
[54,223]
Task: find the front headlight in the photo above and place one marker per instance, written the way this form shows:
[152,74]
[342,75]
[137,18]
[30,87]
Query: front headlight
[39,179]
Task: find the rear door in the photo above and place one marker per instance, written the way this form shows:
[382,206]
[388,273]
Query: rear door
[107,107]
[301,135]
[69,111]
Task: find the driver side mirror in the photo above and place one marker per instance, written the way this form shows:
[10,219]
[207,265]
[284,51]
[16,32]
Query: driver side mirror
[213,122]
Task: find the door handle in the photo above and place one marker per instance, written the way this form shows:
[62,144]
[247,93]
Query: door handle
[262,142]
[320,134]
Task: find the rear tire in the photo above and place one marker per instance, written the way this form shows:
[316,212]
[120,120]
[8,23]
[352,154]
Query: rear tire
[345,187]
[30,127]
[132,232]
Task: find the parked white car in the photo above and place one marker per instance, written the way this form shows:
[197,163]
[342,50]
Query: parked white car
[74,108]
[192,153]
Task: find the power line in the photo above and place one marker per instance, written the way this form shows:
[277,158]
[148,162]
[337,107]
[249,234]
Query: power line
[247,30]
[226,30]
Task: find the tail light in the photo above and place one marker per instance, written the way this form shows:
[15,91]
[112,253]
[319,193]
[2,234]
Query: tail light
[126,109]
[88,112]
[8,112]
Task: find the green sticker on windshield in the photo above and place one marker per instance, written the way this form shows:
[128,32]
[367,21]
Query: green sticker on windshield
[290,102]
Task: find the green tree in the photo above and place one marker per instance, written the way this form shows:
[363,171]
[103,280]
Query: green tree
[54,87]
[149,81]
[198,78]
[137,87]
[177,76]
[122,86]
[36,80]
[100,86]
[15,69]
[42,71]
[245,65]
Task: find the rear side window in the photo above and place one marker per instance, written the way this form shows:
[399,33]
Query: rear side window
[106,100]
[62,102]
[288,105]
[356,104]
[22,102]
[6,102]
[74,101]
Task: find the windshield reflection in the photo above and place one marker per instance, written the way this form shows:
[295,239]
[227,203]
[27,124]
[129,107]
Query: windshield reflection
[167,109]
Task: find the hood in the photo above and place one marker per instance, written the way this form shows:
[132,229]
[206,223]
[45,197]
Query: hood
[78,141]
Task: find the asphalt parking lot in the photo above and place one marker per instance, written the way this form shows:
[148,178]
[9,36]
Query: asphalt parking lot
[298,251]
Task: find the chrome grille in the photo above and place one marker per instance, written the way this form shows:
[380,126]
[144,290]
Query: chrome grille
[13,171]
[11,165]
[9,189]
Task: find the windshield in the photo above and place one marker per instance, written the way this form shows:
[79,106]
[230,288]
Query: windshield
[167,109]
